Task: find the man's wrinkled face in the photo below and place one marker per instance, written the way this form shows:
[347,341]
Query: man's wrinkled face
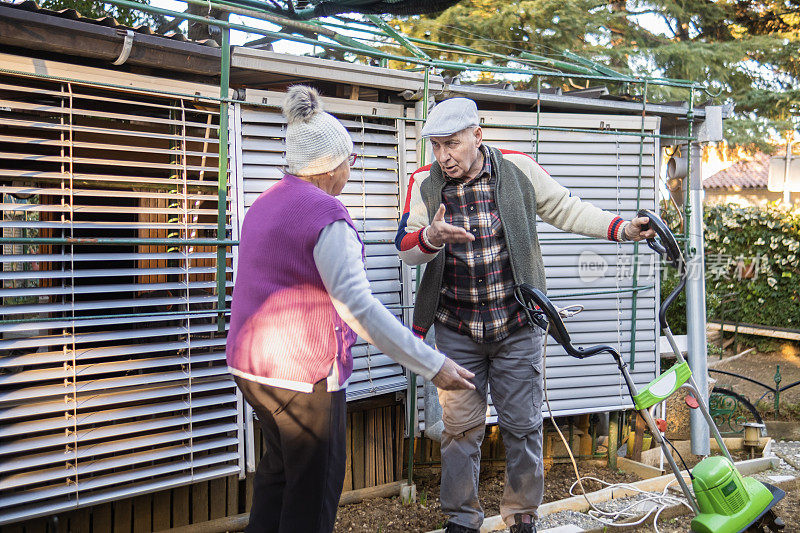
[459,154]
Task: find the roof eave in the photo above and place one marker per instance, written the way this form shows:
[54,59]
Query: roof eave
[565,101]
[40,31]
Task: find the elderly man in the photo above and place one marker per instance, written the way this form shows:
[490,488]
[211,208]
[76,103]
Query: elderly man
[471,216]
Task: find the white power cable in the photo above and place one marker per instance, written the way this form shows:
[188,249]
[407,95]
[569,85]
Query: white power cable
[661,501]
[569,311]
[609,518]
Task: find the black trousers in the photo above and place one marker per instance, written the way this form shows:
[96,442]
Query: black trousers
[299,479]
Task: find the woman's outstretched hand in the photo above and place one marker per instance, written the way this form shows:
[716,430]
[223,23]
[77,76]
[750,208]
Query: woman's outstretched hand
[453,377]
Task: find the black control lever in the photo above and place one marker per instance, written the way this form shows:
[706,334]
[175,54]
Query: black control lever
[542,312]
[665,244]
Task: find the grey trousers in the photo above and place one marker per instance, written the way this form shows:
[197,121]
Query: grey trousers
[513,370]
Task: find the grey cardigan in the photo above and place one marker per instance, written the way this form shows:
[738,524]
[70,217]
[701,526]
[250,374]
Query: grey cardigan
[516,206]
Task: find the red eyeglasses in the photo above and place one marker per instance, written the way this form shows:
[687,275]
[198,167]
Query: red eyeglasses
[353,158]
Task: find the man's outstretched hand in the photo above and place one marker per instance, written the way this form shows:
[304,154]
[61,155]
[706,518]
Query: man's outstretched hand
[440,232]
[453,377]
[634,232]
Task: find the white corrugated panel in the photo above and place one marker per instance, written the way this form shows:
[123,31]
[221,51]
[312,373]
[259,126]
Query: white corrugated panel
[372,196]
[112,369]
[604,169]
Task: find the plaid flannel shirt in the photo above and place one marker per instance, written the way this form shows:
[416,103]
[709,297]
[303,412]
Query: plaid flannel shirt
[477,295]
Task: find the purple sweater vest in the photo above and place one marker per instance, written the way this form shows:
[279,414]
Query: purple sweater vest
[283,324]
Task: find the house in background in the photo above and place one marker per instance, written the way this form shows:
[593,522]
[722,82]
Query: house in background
[744,183]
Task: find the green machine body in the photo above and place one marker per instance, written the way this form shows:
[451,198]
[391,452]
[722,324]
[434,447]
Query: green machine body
[728,502]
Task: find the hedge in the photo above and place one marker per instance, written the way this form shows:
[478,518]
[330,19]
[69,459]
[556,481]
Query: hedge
[752,267]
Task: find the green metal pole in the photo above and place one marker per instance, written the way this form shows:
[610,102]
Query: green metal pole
[261,14]
[556,63]
[634,300]
[425,96]
[412,379]
[524,57]
[538,112]
[687,207]
[222,177]
[399,37]
[607,291]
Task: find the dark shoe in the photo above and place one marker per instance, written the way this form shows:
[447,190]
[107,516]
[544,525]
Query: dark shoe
[523,527]
[458,528]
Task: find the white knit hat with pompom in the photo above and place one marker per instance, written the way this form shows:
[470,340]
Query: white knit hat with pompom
[316,142]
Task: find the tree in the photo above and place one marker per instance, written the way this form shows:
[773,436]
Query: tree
[125,15]
[747,51]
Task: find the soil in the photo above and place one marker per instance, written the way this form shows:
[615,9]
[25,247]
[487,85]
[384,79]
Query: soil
[787,509]
[761,367]
[692,460]
[387,515]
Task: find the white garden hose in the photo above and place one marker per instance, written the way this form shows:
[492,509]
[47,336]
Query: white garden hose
[661,501]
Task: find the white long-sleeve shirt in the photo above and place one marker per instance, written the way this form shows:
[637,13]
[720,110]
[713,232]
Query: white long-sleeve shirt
[337,256]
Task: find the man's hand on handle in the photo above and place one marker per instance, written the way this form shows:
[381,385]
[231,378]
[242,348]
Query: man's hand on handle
[440,232]
[453,377]
[634,232]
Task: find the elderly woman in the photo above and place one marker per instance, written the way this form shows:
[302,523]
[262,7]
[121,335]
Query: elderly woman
[301,297]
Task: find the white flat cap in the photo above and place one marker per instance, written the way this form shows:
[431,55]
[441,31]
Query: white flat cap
[450,116]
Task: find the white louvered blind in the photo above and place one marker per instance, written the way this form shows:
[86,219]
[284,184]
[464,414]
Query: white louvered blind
[112,370]
[372,196]
[601,168]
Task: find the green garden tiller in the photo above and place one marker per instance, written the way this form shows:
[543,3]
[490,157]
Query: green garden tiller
[723,501]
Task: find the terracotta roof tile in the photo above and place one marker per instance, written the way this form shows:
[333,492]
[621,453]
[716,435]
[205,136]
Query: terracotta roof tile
[749,174]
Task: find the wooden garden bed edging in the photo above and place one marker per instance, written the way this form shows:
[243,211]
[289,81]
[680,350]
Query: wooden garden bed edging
[579,504]
[239,522]
[755,329]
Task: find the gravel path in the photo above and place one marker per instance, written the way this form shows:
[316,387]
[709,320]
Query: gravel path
[636,504]
[789,452]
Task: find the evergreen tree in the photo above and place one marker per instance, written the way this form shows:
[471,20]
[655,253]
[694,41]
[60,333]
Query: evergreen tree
[124,15]
[747,51]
